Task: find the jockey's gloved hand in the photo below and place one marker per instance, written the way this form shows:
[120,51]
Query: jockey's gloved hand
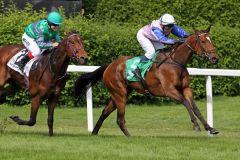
[143,59]
[180,40]
[186,36]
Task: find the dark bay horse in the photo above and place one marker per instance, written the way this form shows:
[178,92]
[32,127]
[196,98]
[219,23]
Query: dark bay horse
[47,80]
[167,77]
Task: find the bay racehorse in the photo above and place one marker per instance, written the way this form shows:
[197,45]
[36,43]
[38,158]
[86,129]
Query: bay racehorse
[47,80]
[168,76]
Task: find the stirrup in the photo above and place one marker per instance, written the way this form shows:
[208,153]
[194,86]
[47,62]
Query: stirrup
[137,73]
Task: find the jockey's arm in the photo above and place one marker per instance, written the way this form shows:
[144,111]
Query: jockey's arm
[179,32]
[41,41]
[58,39]
[161,37]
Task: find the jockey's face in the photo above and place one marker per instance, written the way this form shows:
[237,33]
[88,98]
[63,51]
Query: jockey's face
[54,27]
[167,29]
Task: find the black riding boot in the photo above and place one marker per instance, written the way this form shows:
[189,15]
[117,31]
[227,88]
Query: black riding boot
[23,62]
[143,59]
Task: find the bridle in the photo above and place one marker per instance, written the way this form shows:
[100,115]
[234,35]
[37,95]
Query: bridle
[73,49]
[204,52]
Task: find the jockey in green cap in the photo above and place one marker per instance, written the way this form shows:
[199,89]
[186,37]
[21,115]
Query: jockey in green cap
[42,34]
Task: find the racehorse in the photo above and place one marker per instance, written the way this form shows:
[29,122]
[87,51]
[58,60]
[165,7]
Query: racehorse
[168,76]
[47,80]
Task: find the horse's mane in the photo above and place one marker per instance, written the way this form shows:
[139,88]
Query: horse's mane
[169,49]
[72,32]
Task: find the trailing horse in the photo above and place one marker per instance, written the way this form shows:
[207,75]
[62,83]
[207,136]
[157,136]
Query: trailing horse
[168,76]
[44,82]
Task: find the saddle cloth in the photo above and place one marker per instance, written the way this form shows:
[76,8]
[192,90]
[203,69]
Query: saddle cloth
[134,63]
[17,57]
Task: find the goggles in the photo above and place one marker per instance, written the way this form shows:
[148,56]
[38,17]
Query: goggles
[169,26]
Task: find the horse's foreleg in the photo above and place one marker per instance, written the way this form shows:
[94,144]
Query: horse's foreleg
[188,95]
[179,97]
[52,102]
[34,109]
[105,113]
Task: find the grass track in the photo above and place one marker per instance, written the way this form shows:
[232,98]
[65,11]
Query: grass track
[163,132]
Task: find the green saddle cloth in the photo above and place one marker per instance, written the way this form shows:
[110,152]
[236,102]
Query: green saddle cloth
[133,63]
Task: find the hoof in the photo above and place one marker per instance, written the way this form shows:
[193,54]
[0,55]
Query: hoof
[213,131]
[50,134]
[94,134]
[14,118]
[197,128]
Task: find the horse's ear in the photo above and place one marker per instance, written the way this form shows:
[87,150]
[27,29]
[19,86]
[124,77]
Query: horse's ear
[74,31]
[208,29]
[194,30]
[193,27]
[65,33]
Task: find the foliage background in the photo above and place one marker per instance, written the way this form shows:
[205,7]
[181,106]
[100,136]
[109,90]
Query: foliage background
[109,29]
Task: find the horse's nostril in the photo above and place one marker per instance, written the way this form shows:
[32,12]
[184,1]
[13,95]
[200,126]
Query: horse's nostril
[84,59]
[214,60]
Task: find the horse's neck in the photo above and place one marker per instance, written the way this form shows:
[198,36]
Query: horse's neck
[182,54]
[59,61]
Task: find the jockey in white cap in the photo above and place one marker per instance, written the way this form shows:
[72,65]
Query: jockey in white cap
[155,35]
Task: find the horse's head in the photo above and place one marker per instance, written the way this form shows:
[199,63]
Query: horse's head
[75,49]
[201,44]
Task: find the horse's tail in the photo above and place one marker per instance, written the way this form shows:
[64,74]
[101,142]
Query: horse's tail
[85,81]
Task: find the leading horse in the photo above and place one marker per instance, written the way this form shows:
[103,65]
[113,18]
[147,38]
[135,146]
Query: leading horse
[167,77]
[47,80]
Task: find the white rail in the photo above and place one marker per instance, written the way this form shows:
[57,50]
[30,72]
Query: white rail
[192,71]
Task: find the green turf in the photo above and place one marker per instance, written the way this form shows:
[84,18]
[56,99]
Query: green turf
[158,132]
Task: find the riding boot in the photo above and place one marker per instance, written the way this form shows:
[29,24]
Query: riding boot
[23,62]
[143,59]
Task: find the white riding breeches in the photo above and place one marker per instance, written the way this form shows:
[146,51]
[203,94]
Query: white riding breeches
[148,46]
[31,45]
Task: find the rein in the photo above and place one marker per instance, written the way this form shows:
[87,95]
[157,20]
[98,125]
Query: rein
[50,62]
[169,56]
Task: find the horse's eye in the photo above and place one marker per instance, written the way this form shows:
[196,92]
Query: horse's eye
[71,42]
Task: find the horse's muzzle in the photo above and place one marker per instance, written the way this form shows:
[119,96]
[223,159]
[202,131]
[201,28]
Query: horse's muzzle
[83,60]
[214,60]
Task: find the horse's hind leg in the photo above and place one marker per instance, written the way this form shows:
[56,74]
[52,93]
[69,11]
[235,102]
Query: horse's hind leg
[5,91]
[119,97]
[34,109]
[105,113]
[189,97]
[121,117]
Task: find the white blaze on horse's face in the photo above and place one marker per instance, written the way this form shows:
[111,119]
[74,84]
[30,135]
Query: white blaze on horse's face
[208,38]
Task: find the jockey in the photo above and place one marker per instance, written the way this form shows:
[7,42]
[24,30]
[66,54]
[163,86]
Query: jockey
[156,35]
[42,34]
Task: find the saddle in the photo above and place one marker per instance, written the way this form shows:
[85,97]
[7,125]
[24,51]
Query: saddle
[137,70]
[31,65]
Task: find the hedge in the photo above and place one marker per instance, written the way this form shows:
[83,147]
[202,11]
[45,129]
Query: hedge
[106,40]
